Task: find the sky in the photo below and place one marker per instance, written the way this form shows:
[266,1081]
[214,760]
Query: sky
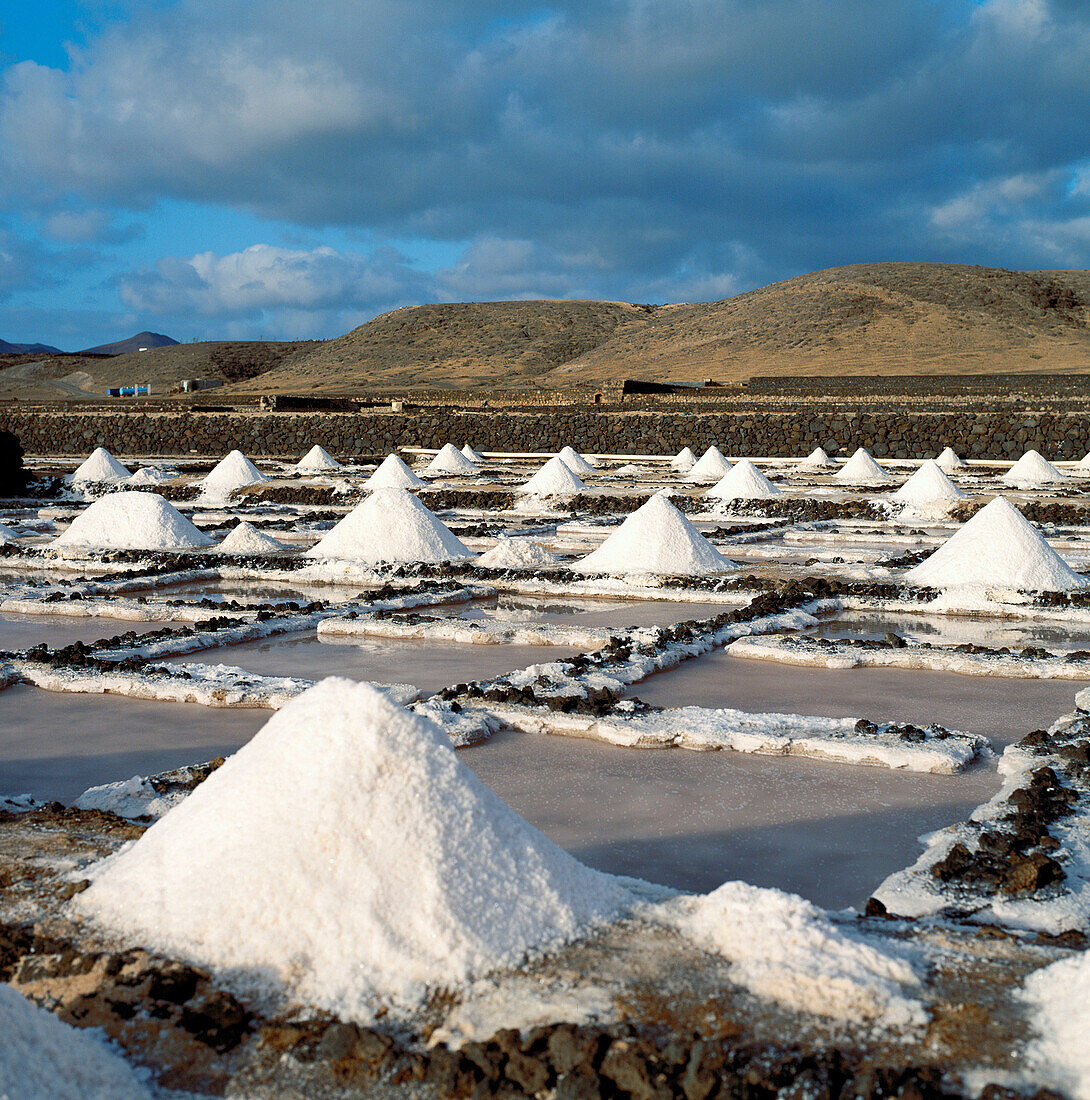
[218,169]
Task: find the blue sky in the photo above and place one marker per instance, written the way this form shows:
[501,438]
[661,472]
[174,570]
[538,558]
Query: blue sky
[188,168]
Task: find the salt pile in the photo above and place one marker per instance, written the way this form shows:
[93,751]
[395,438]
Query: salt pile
[743,482]
[928,485]
[1032,471]
[6,534]
[576,462]
[316,461]
[100,466]
[233,471]
[245,538]
[149,475]
[1084,465]
[390,525]
[711,466]
[132,521]
[1059,998]
[630,469]
[410,874]
[511,553]
[658,539]
[471,454]
[817,459]
[451,461]
[43,1059]
[683,461]
[861,469]
[393,474]
[554,479]
[998,546]
[949,459]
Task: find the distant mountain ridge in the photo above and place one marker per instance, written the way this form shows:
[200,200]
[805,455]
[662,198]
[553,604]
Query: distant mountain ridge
[133,343]
[7,348]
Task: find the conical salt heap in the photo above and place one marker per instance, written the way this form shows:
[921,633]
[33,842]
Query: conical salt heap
[245,538]
[1084,465]
[451,461]
[928,485]
[132,521]
[577,463]
[554,479]
[150,475]
[658,539]
[743,482]
[998,546]
[393,474]
[6,535]
[817,459]
[1031,471]
[509,553]
[410,875]
[471,454]
[861,469]
[100,465]
[683,461]
[949,459]
[710,467]
[231,472]
[317,461]
[390,525]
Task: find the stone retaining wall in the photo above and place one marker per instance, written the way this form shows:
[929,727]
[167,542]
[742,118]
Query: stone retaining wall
[288,435]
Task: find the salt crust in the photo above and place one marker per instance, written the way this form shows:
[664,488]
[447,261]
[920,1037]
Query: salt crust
[245,538]
[1059,1000]
[743,482]
[861,469]
[683,461]
[949,459]
[410,875]
[710,467]
[317,460]
[658,539]
[392,473]
[132,521]
[787,950]
[554,479]
[450,460]
[577,463]
[998,546]
[1033,471]
[390,525]
[928,485]
[43,1059]
[233,471]
[515,553]
[100,466]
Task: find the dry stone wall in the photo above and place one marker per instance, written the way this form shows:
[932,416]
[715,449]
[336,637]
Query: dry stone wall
[892,434]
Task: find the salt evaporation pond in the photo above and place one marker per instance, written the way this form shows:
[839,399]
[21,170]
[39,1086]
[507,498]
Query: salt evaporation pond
[427,664]
[23,631]
[56,745]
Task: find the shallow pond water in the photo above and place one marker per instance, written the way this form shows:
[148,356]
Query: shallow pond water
[22,631]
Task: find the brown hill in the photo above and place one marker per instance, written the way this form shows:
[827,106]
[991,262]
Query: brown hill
[898,318]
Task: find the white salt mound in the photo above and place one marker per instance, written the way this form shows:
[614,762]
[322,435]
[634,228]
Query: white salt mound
[787,950]
[390,525]
[410,873]
[630,469]
[710,467]
[743,482]
[657,539]
[998,546]
[928,485]
[6,534]
[861,469]
[233,471]
[1059,999]
[949,459]
[451,461]
[576,462]
[100,466]
[149,475]
[554,479]
[393,474]
[245,538]
[317,460]
[817,459]
[132,521]
[511,553]
[1084,464]
[43,1059]
[1031,471]
[471,454]
[683,461]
